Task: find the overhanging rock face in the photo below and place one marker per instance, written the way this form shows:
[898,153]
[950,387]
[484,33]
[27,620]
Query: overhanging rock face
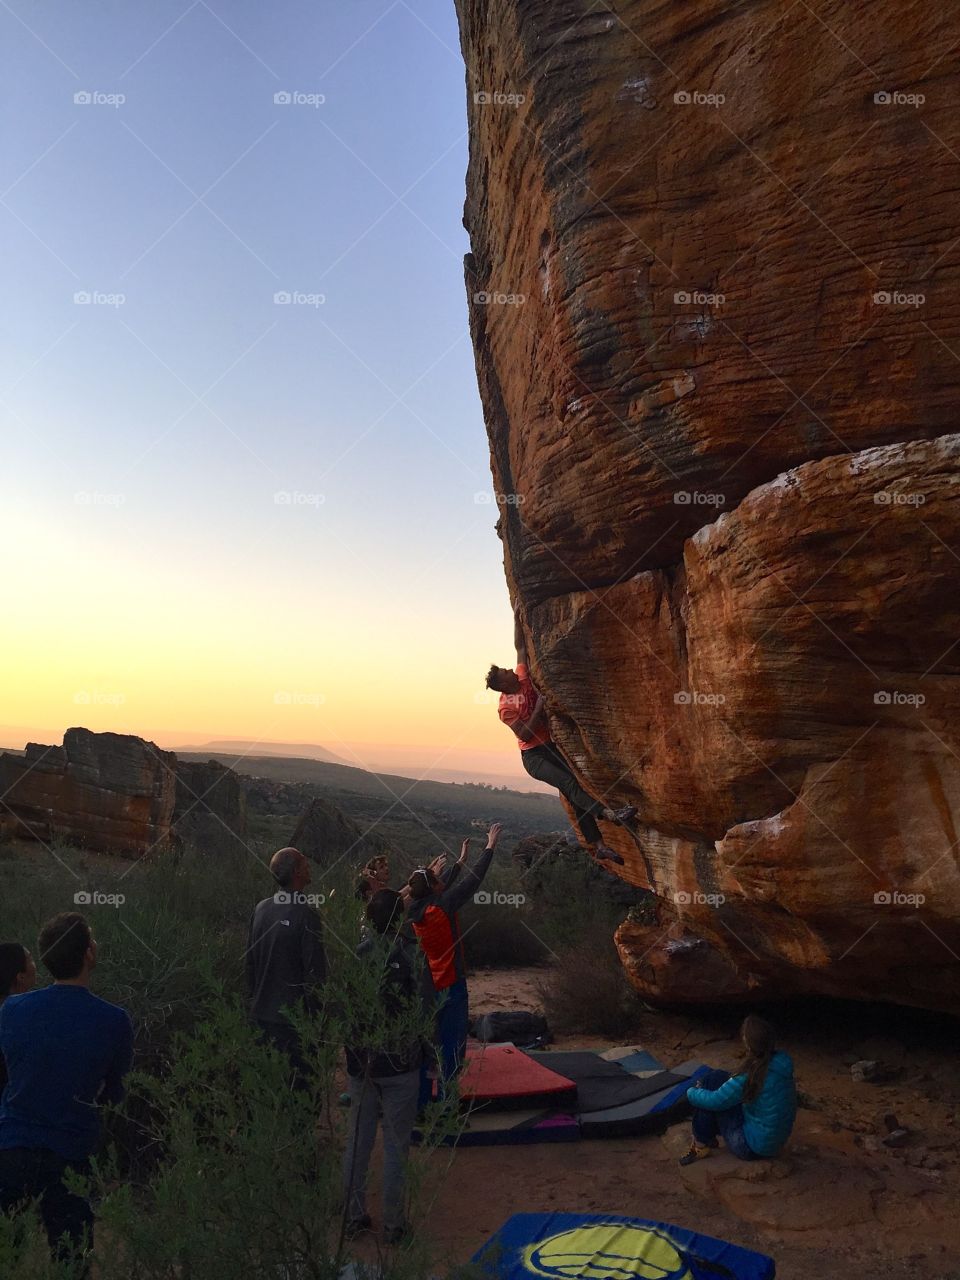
[714,296]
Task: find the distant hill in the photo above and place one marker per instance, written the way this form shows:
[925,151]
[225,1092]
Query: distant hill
[241,747]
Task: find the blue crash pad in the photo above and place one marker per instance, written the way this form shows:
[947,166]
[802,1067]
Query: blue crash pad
[565,1246]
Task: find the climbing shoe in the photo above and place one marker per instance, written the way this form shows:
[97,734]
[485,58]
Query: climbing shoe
[696,1153]
[605,854]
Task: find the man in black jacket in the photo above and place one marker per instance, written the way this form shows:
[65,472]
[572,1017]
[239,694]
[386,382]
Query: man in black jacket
[384,1080]
[286,964]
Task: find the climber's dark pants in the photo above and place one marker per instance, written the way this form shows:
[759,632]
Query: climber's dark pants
[546,764]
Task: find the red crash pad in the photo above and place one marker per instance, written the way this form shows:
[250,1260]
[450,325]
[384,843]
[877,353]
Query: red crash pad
[500,1075]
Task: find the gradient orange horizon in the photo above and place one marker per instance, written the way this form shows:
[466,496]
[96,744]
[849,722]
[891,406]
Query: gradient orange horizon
[192,653]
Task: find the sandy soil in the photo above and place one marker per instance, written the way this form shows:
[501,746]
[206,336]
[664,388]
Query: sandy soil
[838,1205]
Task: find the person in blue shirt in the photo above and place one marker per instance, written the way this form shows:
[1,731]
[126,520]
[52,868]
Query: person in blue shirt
[18,973]
[66,1050]
[752,1111]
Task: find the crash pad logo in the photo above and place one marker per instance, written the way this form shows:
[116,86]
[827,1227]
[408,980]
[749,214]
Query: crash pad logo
[609,1251]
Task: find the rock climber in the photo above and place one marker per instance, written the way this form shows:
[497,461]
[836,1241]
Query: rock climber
[522,709]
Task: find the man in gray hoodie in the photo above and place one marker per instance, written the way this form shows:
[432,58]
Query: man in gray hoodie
[286,964]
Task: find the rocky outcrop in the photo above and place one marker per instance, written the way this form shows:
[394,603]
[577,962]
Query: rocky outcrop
[108,792]
[210,807]
[712,301]
[325,834]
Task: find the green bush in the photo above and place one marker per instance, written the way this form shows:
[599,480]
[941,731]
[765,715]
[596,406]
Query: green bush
[586,992]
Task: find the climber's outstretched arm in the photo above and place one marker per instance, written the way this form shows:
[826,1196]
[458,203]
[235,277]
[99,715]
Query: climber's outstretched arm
[519,638]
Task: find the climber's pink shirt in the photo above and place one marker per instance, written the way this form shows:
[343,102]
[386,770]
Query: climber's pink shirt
[519,706]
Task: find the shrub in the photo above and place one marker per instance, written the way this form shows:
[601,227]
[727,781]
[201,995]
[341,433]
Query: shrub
[499,936]
[586,992]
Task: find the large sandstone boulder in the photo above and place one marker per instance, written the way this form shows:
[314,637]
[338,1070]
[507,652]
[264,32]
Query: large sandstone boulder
[210,808]
[325,834]
[109,792]
[713,304]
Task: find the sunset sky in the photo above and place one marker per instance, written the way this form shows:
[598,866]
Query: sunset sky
[226,516]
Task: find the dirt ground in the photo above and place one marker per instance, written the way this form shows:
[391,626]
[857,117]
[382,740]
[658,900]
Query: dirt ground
[838,1204]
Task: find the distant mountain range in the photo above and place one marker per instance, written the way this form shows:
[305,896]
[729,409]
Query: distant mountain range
[250,746]
[244,749]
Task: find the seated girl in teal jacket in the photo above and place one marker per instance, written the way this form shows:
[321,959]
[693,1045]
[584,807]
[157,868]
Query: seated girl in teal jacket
[753,1111]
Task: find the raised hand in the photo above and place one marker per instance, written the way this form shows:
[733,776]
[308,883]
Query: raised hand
[464,850]
[494,835]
